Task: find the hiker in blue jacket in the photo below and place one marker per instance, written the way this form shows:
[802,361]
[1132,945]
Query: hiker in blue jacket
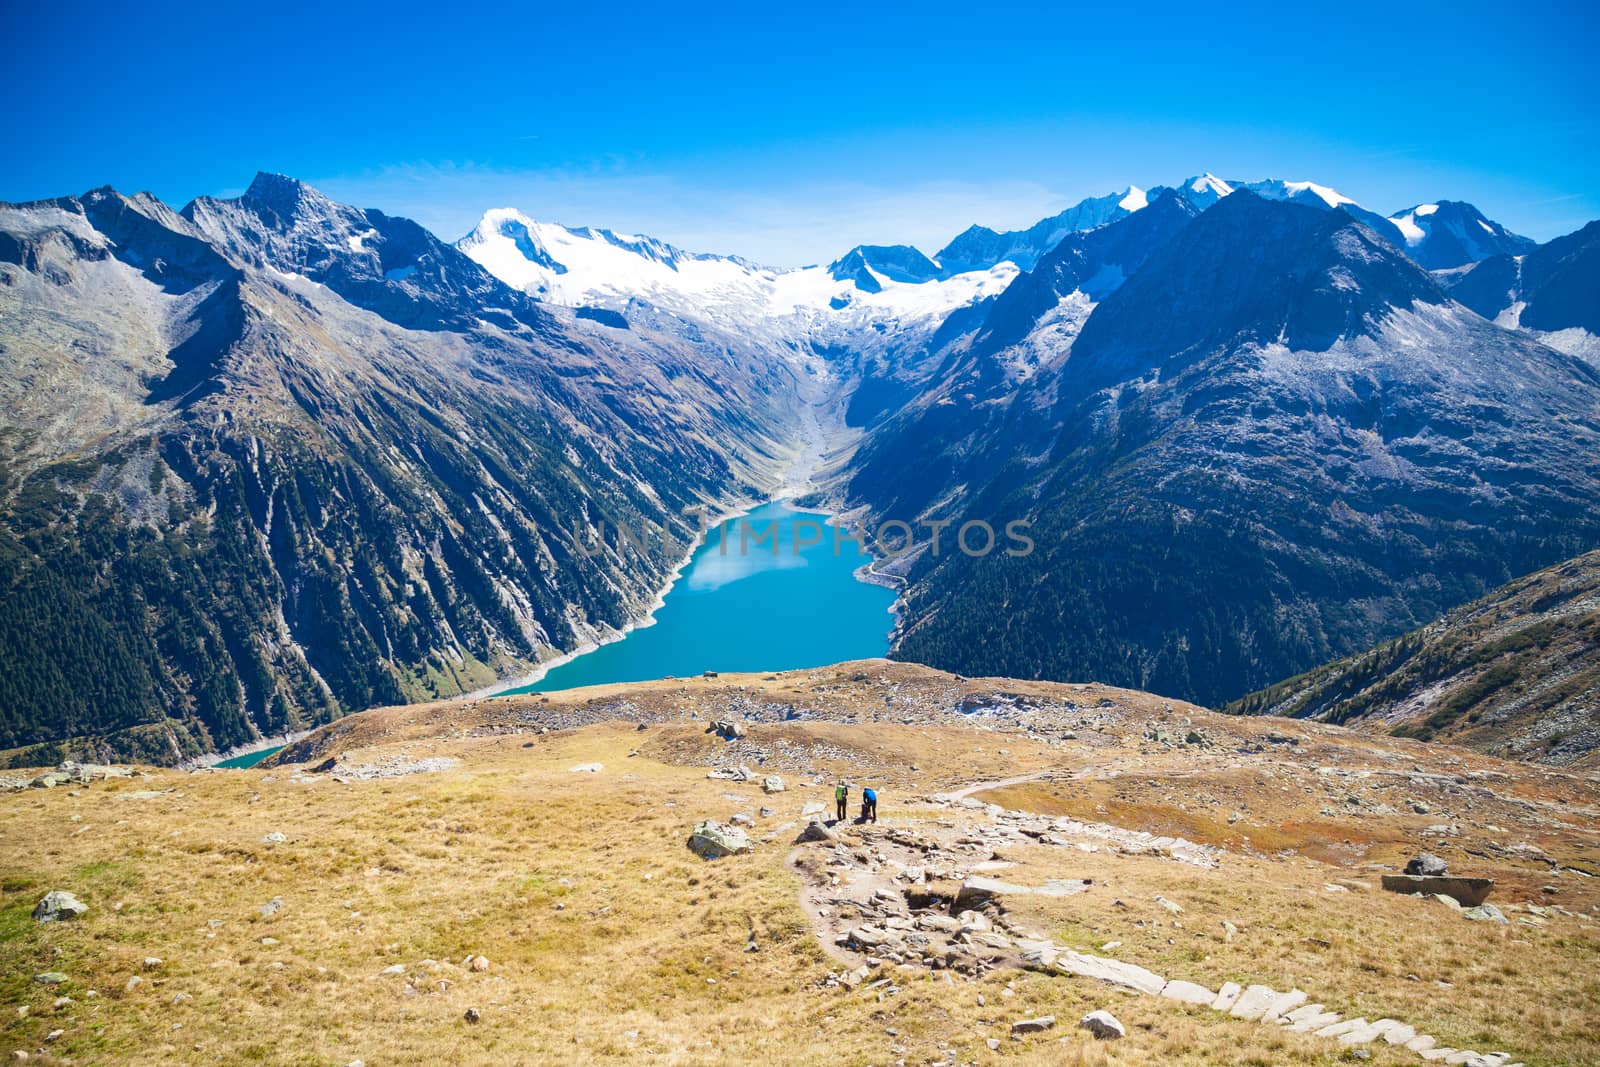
[869,805]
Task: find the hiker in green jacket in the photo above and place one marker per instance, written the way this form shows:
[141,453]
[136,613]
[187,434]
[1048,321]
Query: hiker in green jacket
[841,799]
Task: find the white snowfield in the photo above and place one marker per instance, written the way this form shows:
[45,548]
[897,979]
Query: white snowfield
[575,267]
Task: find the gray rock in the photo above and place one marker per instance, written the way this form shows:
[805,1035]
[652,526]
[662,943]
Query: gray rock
[275,838]
[1254,1001]
[1033,1026]
[51,978]
[712,840]
[1187,992]
[1485,913]
[1113,971]
[772,784]
[815,831]
[1103,1025]
[58,905]
[271,907]
[1426,864]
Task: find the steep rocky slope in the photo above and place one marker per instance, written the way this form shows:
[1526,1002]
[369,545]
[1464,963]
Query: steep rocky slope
[1552,291]
[1516,673]
[278,458]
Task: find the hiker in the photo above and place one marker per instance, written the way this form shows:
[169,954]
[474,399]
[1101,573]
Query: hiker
[841,799]
[869,805]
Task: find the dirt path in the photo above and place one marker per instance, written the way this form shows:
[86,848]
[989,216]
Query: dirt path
[1003,783]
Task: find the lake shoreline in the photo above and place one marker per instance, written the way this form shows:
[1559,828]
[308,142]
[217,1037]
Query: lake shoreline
[614,634]
[249,748]
[797,480]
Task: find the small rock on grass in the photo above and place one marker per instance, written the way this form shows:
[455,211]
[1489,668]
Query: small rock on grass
[1033,1026]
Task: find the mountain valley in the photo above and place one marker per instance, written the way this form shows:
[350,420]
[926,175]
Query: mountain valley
[336,462]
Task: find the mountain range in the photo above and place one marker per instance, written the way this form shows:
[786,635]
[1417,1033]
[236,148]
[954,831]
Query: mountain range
[275,458]
[272,459]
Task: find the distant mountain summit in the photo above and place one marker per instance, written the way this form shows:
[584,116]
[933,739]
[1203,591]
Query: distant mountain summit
[1452,234]
[391,266]
[1438,236]
[979,248]
[869,266]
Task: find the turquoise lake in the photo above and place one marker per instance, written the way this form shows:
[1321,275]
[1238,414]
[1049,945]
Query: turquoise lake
[249,759]
[740,605]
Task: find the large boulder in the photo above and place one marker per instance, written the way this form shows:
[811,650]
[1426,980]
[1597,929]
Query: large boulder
[1427,865]
[58,906]
[979,890]
[815,831]
[1470,892]
[712,840]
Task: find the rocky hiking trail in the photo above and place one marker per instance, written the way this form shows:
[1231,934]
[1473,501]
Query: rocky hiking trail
[919,897]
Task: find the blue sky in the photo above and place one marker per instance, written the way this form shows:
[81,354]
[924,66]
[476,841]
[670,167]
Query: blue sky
[788,135]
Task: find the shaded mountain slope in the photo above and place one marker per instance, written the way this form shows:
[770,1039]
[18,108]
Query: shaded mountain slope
[1552,291]
[1278,442]
[1516,673]
[276,459]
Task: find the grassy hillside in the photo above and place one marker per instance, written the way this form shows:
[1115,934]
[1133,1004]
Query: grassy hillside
[1516,673]
[607,941]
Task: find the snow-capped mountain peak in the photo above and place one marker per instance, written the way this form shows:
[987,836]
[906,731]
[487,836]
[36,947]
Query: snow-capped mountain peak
[1452,233]
[1298,192]
[1209,184]
[570,266]
[1134,199]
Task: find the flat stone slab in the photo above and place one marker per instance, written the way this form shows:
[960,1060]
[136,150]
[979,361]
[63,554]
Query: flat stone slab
[978,890]
[1188,992]
[1253,1002]
[1470,892]
[1113,971]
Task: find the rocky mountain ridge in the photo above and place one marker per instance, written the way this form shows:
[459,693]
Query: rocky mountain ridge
[273,459]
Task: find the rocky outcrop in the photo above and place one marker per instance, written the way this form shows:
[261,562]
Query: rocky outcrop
[712,840]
